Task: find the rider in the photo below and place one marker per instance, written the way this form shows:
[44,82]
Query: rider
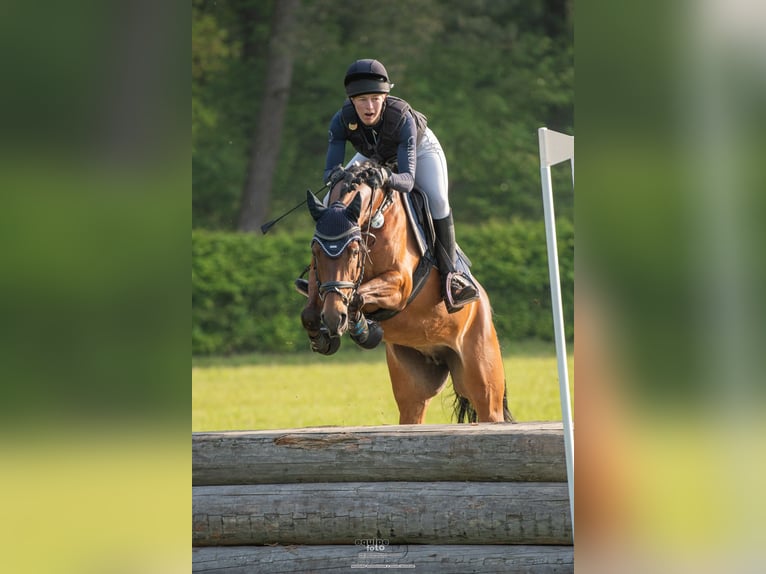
[386,129]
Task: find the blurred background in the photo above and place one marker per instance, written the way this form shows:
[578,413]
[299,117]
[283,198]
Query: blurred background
[267,77]
[669,282]
[669,270]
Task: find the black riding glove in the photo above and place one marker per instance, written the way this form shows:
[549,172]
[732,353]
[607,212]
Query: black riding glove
[381,176]
[336,175]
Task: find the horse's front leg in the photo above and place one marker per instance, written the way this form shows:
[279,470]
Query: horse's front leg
[386,291]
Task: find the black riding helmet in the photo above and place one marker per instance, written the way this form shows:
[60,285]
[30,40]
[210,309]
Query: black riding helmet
[366,77]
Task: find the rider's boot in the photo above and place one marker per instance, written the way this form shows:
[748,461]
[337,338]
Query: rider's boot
[458,289]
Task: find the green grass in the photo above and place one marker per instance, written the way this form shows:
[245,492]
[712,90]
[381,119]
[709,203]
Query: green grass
[261,391]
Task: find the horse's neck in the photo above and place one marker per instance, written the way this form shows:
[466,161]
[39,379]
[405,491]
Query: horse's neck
[394,231]
[336,194]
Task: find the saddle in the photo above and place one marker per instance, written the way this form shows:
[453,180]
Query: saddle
[419,216]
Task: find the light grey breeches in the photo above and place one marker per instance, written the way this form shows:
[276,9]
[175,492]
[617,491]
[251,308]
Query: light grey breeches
[430,173]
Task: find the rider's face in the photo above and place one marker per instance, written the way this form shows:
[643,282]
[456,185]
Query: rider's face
[369,107]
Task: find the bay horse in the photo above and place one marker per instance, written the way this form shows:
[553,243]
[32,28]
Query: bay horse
[361,280]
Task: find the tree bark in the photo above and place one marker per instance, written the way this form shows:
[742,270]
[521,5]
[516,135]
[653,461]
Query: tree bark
[256,193]
[400,512]
[425,559]
[528,452]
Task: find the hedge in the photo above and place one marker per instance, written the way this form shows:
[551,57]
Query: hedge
[243,298]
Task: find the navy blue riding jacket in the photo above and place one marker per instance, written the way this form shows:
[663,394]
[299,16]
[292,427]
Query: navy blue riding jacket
[393,140]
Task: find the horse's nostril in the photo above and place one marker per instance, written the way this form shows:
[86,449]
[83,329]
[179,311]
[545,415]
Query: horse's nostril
[335,323]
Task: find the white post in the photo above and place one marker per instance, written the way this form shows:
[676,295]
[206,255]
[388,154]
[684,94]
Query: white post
[555,148]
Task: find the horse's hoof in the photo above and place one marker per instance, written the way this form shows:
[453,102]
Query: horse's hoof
[370,337]
[324,344]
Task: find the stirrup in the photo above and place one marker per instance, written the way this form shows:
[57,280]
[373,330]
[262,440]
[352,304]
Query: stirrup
[302,286]
[467,292]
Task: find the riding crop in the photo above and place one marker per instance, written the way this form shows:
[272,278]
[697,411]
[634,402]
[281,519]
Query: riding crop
[269,224]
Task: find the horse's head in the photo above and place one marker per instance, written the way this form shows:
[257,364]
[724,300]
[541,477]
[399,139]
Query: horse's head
[338,258]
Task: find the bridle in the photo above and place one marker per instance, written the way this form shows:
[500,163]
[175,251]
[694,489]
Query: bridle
[326,287]
[365,239]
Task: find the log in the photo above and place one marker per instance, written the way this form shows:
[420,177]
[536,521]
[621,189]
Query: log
[424,559]
[396,512]
[483,452]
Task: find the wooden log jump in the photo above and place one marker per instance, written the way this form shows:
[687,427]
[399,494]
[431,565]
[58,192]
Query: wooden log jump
[431,559]
[439,498]
[400,512]
[508,453]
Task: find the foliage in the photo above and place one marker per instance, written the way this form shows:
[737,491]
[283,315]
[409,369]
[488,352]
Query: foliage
[511,262]
[226,84]
[243,299]
[487,75]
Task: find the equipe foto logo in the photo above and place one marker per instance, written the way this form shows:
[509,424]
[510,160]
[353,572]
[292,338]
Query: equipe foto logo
[372,544]
[376,553]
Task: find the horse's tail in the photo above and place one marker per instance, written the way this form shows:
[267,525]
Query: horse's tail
[507,416]
[465,413]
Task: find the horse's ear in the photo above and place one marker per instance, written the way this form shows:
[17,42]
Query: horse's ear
[354,208]
[315,206]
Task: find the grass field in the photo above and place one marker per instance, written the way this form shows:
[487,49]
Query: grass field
[350,388]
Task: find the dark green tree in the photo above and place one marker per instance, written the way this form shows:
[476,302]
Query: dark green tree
[264,150]
[487,75]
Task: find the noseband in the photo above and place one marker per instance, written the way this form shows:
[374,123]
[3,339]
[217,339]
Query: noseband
[337,286]
[334,238]
[334,245]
